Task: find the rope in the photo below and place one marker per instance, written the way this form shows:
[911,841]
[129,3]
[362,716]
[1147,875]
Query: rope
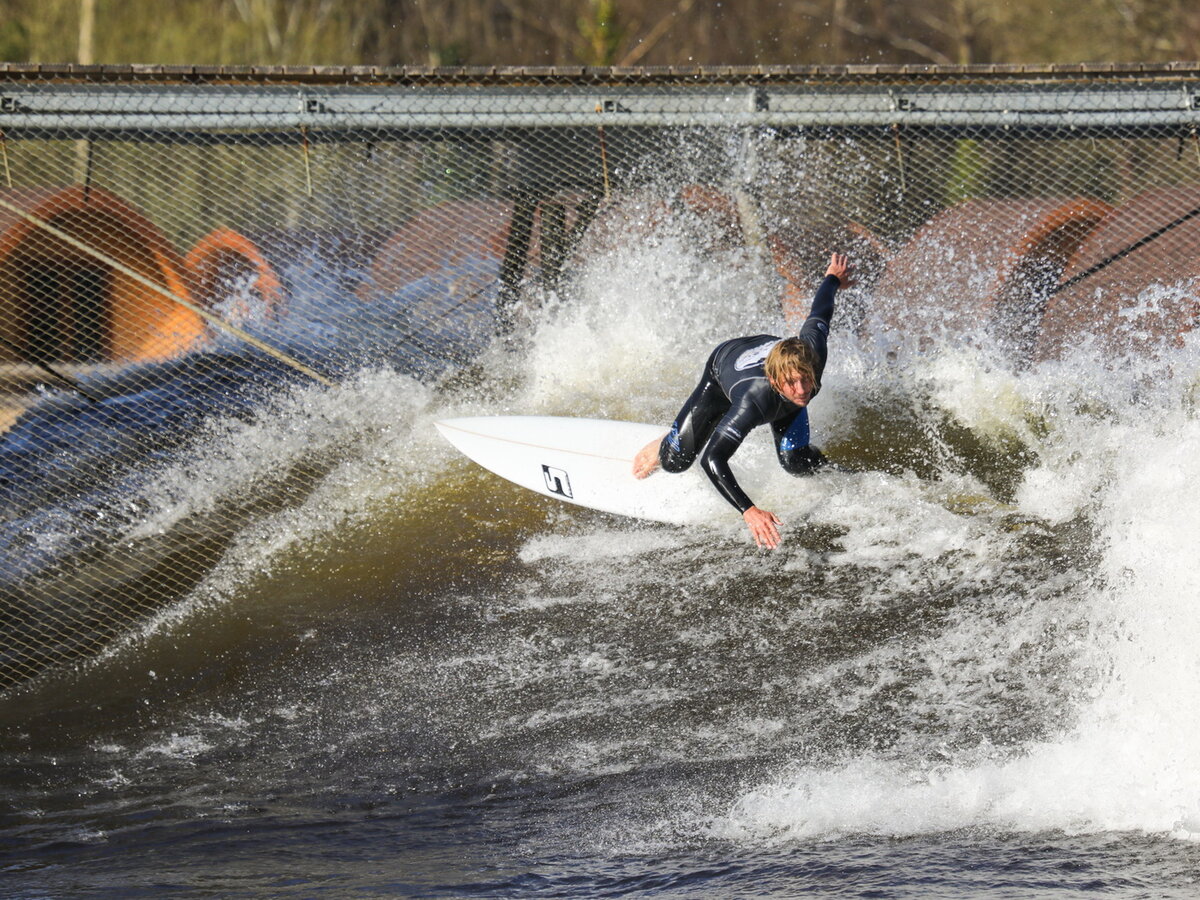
[1121,254]
[209,317]
[46,367]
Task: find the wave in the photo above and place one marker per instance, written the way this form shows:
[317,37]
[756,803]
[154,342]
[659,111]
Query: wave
[982,617]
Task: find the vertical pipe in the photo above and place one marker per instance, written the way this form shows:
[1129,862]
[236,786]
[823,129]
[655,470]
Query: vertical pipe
[87,56]
[899,156]
[4,155]
[84,161]
[87,32]
[307,162]
[584,215]
[516,254]
[604,163]
[554,243]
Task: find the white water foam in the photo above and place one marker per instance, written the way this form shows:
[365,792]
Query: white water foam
[1131,760]
[631,340]
[378,430]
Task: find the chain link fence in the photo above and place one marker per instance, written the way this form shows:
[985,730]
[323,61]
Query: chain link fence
[183,245]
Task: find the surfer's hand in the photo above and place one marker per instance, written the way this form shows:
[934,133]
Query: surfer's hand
[764,526]
[646,462]
[840,268]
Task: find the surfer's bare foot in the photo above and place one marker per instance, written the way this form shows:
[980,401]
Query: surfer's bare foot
[646,462]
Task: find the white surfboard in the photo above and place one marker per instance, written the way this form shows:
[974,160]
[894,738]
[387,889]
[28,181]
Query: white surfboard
[587,462]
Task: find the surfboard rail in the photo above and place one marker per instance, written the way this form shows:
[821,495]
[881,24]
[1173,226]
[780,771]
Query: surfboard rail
[586,462]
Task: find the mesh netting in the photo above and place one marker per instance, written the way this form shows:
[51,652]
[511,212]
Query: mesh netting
[182,246]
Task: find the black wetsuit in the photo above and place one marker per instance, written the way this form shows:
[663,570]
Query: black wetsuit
[734,397]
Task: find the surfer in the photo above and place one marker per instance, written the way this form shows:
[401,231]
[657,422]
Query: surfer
[747,382]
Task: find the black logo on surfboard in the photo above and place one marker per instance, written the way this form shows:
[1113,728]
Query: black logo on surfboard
[557,481]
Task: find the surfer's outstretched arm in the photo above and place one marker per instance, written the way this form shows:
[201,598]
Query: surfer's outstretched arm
[822,305]
[728,436]
[815,330]
[763,525]
[837,275]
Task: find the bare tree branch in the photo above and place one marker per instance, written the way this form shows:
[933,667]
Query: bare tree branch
[544,25]
[655,34]
[899,42]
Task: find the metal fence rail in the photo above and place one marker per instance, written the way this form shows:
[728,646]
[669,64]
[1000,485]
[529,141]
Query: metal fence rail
[950,100]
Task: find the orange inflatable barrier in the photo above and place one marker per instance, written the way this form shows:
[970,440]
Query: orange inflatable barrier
[58,303]
[1137,298]
[989,263]
[222,258]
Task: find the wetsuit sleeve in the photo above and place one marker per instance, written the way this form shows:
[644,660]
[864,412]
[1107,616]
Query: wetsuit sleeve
[815,330]
[822,305]
[727,437]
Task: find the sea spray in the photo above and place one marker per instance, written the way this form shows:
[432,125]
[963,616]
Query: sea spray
[1116,449]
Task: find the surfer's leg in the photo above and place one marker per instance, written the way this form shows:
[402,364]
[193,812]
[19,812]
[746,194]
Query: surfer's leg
[694,425]
[792,447]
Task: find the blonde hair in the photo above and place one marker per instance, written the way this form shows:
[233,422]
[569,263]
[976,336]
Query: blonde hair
[789,358]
